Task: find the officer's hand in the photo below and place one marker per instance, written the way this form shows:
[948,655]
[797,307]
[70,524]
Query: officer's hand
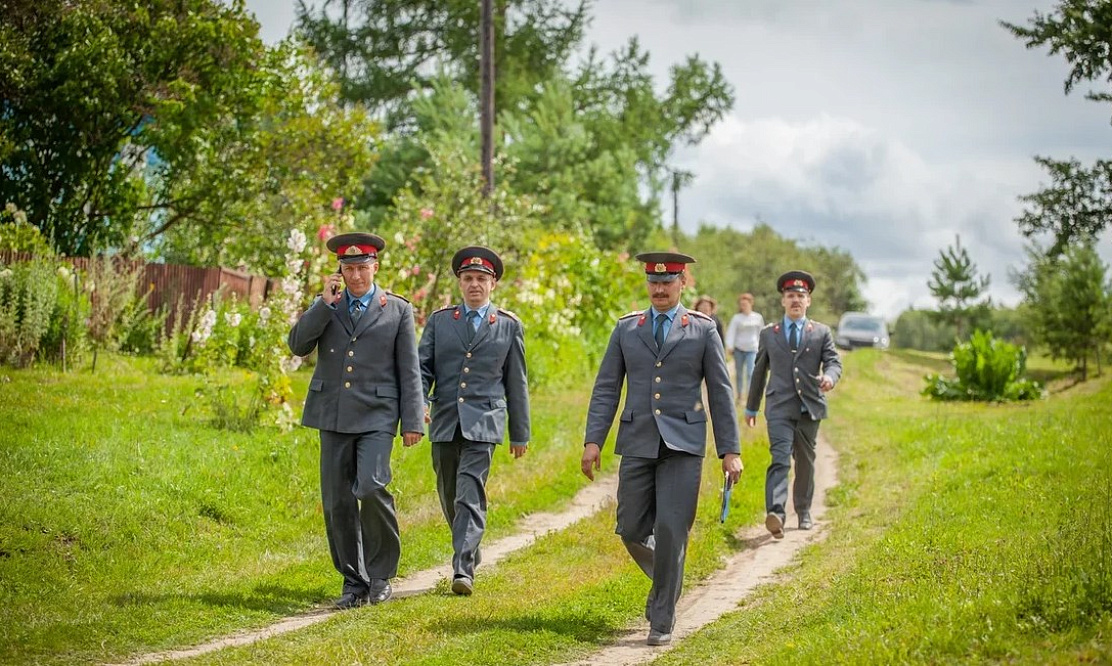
[590,461]
[333,289]
[751,421]
[428,417]
[411,438]
[731,465]
[518,449]
[826,384]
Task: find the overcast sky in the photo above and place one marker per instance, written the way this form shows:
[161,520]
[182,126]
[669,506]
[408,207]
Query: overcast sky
[882,127]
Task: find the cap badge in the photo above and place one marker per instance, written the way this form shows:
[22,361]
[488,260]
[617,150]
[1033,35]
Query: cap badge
[353,249]
[660,268]
[476,261]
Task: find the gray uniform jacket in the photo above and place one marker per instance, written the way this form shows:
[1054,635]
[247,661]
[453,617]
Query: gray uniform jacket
[367,377]
[664,390]
[475,384]
[791,378]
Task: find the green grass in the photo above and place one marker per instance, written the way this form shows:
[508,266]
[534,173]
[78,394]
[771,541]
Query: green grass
[961,534]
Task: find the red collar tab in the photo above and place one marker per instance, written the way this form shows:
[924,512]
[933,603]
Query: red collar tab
[455,315]
[356,250]
[683,320]
[641,321]
[492,317]
[776,328]
[382,300]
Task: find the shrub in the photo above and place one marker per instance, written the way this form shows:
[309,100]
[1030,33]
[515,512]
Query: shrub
[28,291]
[66,340]
[987,369]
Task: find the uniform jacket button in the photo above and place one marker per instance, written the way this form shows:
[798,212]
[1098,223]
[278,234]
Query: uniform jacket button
[347,384]
[461,399]
[657,412]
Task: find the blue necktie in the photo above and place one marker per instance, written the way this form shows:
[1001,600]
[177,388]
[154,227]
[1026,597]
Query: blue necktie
[472,317]
[659,335]
[793,336]
[356,310]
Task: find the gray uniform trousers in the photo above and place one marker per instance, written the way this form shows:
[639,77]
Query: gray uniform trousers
[657,499]
[462,467]
[354,472]
[658,484]
[789,381]
[791,438]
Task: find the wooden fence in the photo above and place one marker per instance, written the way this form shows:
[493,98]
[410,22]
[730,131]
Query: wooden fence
[167,285]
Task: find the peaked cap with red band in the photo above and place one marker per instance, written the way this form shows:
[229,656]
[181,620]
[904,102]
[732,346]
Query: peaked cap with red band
[356,247]
[477,258]
[664,266]
[796,281]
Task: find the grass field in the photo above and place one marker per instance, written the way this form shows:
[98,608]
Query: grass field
[960,533]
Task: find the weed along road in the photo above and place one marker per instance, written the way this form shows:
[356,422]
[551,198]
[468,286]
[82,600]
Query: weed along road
[756,563]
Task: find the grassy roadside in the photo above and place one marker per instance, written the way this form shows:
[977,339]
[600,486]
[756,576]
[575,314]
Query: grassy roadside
[128,526]
[962,533]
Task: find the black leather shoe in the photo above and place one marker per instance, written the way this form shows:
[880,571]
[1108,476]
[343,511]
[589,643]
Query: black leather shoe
[805,522]
[775,525]
[350,600]
[380,591]
[462,585]
[658,638]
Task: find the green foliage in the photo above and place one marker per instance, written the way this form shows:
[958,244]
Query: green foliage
[1075,207]
[954,282]
[927,330]
[114,300]
[28,292]
[1070,302]
[251,183]
[67,339]
[987,369]
[18,235]
[733,262]
[96,90]
[566,292]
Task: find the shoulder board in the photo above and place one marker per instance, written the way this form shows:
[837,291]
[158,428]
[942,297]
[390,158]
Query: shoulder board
[398,296]
[635,313]
[509,314]
[443,309]
[701,315]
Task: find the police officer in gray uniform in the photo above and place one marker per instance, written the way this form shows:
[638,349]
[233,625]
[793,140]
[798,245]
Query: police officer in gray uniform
[663,355]
[472,359]
[367,380]
[797,361]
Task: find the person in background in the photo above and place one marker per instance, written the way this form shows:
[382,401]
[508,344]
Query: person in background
[741,339]
[709,307]
[366,381]
[797,360]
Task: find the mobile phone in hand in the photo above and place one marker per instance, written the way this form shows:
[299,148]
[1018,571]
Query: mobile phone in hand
[336,287]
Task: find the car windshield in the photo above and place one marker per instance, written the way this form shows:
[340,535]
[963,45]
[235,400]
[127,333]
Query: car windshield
[869,325]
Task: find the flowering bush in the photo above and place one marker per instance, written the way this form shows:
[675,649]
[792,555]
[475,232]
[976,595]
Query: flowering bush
[565,290]
[228,333]
[28,291]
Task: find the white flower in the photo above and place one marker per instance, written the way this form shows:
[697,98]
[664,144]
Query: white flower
[399,238]
[63,272]
[403,274]
[233,318]
[296,243]
[10,208]
[290,286]
[291,364]
[6,273]
[264,314]
[20,217]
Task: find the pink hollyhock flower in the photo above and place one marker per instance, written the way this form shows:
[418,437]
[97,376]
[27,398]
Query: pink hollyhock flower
[426,213]
[419,295]
[326,231]
[416,270]
[337,203]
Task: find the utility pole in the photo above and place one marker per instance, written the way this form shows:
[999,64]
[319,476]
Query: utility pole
[486,94]
[680,178]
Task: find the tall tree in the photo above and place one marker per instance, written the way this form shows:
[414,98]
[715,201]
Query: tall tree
[1071,303]
[92,89]
[956,285]
[1077,205]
